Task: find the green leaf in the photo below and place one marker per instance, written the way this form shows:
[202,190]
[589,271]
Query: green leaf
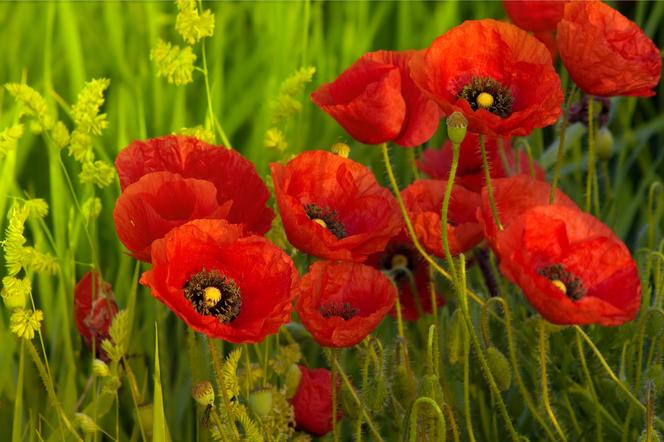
[159,432]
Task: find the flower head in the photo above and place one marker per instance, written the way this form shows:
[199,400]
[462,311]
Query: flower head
[424,200]
[94,308]
[570,266]
[24,323]
[312,402]
[332,207]
[221,283]
[605,53]
[470,174]
[376,101]
[410,273]
[340,303]
[485,69]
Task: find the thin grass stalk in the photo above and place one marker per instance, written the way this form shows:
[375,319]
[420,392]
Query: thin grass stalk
[543,347]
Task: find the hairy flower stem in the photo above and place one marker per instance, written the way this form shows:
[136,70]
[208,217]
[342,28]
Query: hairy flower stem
[351,390]
[486,371]
[466,387]
[590,178]
[50,390]
[414,414]
[211,116]
[591,388]
[613,376]
[560,155]
[543,349]
[487,183]
[445,209]
[432,294]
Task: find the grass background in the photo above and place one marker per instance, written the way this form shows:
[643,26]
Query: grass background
[57,47]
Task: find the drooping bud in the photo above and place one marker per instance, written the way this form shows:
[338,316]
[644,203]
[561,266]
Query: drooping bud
[604,144]
[457,126]
[203,393]
[404,386]
[500,368]
[260,401]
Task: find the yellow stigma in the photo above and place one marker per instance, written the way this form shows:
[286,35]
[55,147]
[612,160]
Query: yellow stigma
[320,222]
[212,295]
[484,100]
[561,285]
[399,261]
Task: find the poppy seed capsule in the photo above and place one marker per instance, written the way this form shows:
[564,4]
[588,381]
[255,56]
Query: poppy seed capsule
[485,100]
[500,368]
[260,402]
[100,369]
[203,393]
[457,126]
[341,149]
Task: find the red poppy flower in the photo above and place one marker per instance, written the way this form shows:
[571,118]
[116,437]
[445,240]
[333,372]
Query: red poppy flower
[470,174]
[485,70]
[237,183]
[312,403]
[605,53]
[424,200]
[514,196]
[570,266]
[94,308]
[410,273]
[158,202]
[535,15]
[376,101]
[333,208]
[220,283]
[340,303]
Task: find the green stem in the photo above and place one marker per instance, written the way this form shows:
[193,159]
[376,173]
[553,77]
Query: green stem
[441,430]
[591,387]
[335,425]
[560,155]
[466,387]
[445,209]
[543,349]
[590,179]
[211,116]
[489,187]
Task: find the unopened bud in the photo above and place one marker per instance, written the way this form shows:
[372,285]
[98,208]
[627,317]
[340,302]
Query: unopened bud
[404,387]
[260,402]
[341,149]
[292,381]
[456,336]
[100,369]
[203,393]
[457,126]
[500,368]
[604,144]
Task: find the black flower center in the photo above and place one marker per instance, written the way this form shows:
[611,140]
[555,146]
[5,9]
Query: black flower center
[398,260]
[213,294]
[344,311]
[327,218]
[568,283]
[487,93]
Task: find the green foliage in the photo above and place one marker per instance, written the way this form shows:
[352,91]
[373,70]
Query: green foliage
[173,62]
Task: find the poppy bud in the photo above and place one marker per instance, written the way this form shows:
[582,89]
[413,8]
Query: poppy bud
[500,368]
[341,149]
[377,393]
[457,126]
[655,375]
[405,389]
[604,144]
[203,393]
[654,437]
[260,401]
[456,336]
[431,388]
[100,369]
[94,308]
[292,381]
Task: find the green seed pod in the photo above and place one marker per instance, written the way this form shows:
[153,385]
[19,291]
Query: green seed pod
[604,144]
[500,368]
[292,380]
[203,393]
[146,416]
[405,387]
[377,393]
[100,369]
[457,126]
[655,436]
[655,374]
[260,402]
[456,337]
[430,387]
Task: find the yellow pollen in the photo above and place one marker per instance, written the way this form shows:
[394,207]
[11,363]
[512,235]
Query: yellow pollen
[561,285]
[320,222]
[484,100]
[212,296]
[399,261]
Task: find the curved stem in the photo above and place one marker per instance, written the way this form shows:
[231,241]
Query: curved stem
[487,183]
[212,118]
[412,437]
[543,349]
[445,209]
[590,178]
[591,387]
